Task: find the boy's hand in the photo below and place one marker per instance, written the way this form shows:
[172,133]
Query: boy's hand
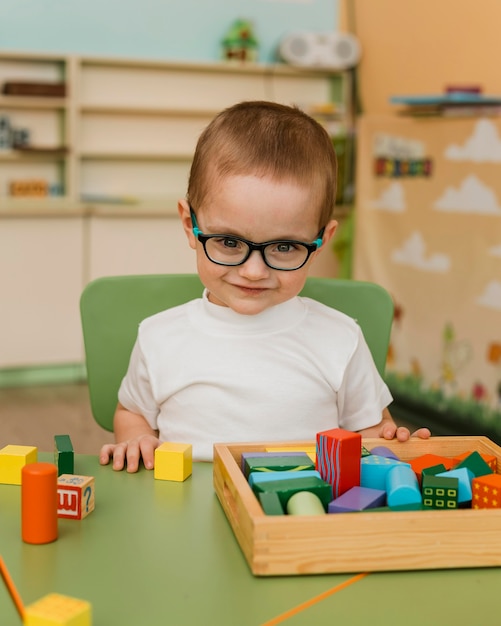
[129,453]
[401,433]
[387,429]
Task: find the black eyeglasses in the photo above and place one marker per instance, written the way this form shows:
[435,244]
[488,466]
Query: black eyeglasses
[281,254]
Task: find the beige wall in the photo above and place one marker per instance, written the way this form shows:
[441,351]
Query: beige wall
[419,47]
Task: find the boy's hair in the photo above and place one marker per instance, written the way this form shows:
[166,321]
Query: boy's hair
[266,139]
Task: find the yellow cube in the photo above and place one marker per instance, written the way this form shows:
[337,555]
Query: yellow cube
[12,460]
[173,461]
[58,610]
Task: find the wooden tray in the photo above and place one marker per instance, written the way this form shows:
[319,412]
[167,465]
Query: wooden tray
[359,542]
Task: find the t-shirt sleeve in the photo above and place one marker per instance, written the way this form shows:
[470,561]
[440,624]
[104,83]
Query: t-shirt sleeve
[363,394]
[136,393]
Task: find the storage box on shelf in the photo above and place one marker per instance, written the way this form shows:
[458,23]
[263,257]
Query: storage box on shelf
[359,542]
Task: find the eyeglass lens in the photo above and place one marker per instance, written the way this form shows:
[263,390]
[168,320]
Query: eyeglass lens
[233,251]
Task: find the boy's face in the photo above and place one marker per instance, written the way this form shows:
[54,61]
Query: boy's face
[257,209]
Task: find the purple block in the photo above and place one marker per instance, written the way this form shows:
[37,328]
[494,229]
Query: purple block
[357,499]
[384,451]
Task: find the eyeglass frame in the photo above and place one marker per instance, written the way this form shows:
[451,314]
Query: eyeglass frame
[203,238]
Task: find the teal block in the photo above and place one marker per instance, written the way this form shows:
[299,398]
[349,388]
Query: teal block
[262,477]
[63,454]
[464,477]
[287,487]
[373,470]
[402,487]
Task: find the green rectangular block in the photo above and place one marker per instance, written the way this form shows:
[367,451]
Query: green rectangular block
[288,487]
[271,503]
[63,454]
[277,463]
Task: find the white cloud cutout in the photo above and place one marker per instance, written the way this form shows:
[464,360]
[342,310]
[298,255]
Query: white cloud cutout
[413,253]
[391,199]
[495,250]
[483,145]
[491,296]
[472,196]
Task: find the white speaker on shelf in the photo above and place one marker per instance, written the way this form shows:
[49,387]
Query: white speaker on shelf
[335,51]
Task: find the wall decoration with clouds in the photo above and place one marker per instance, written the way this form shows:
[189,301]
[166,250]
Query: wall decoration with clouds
[432,236]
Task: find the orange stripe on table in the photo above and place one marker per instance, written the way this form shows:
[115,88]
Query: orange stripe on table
[319,598]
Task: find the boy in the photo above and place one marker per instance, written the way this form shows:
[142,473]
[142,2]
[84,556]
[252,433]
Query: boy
[251,360]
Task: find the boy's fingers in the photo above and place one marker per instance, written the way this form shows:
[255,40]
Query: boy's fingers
[147,446]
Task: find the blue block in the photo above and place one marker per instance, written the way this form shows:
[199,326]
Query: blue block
[357,499]
[258,478]
[402,487]
[464,477]
[374,469]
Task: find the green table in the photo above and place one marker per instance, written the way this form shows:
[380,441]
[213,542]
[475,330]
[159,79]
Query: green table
[157,553]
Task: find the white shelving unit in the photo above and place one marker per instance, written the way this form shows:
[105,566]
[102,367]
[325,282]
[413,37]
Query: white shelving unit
[129,128]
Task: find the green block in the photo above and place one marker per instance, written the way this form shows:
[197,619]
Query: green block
[476,464]
[365,452]
[63,454]
[288,487]
[433,470]
[271,503]
[440,492]
[294,463]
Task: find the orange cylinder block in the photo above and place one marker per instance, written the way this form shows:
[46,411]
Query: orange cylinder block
[39,503]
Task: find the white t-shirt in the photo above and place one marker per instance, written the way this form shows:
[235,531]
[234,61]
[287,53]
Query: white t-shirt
[202,374]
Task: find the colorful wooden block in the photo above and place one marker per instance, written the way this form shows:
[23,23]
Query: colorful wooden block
[289,463]
[374,469]
[402,487]
[287,487]
[486,492]
[255,455]
[476,464]
[271,503]
[12,460]
[490,459]
[432,471]
[63,454]
[357,499]
[429,460]
[464,477]
[76,496]
[310,450]
[440,492]
[58,610]
[173,461]
[305,503]
[258,478]
[338,459]
[384,451]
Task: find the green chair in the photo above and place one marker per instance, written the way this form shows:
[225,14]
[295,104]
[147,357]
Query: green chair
[112,307]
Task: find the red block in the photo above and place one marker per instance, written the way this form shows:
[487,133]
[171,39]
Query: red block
[429,460]
[338,459]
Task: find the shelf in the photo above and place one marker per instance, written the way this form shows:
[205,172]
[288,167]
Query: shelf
[32,102]
[102,109]
[133,124]
[135,156]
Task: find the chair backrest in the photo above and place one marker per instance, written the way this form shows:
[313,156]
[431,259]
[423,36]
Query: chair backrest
[112,308]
